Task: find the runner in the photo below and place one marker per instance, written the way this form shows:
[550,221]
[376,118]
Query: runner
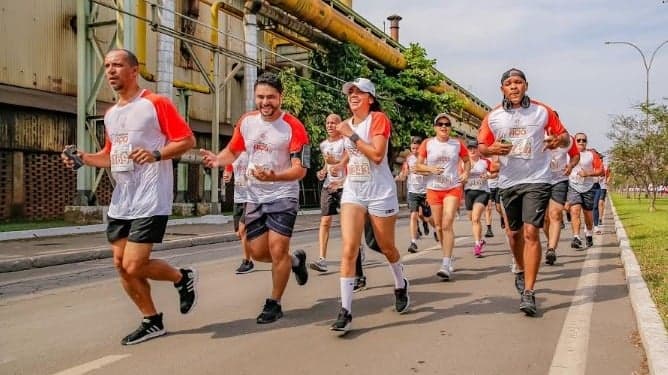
[581,191]
[368,189]
[476,193]
[440,156]
[516,130]
[561,164]
[333,174]
[417,194]
[494,203]
[143,131]
[278,155]
[599,199]
[238,169]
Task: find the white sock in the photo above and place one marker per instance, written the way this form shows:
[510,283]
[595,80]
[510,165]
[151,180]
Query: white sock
[295,260]
[446,261]
[587,233]
[414,240]
[577,236]
[347,285]
[398,273]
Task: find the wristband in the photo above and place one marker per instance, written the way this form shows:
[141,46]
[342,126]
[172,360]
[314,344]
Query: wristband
[354,138]
[156,155]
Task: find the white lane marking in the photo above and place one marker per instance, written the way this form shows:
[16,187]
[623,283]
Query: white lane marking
[93,365]
[570,357]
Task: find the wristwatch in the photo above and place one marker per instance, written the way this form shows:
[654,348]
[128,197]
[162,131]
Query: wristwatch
[156,155]
[354,138]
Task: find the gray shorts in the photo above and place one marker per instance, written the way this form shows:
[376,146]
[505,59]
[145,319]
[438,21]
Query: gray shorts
[415,201]
[278,216]
[330,201]
[525,203]
[559,192]
[586,199]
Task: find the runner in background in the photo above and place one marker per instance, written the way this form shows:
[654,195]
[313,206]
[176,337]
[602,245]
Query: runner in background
[599,198]
[238,169]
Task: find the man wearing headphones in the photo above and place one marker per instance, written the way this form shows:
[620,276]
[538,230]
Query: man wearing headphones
[520,130]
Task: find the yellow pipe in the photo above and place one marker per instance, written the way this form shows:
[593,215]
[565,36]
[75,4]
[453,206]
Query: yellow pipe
[141,55]
[324,17]
[215,8]
[468,105]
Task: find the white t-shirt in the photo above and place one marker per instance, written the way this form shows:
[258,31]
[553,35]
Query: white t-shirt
[416,183]
[589,161]
[240,168]
[367,180]
[445,155]
[269,145]
[478,175]
[560,158]
[336,150]
[149,121]
[526,128]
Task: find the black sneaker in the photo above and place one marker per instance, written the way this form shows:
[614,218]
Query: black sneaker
[150,327]
[343,321]
[186,288]
[576,244]
[300,270]
[360,284]
[528,303]
[503,223]
[550,257]
[489,232]
[271,312]
[425,226]
[412,248]
[246,266]
[402,300]
[590,241]
[519,282]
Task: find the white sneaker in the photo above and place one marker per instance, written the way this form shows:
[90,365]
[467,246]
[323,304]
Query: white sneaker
[451,267]
[444,273]
[320,265]
[597,230]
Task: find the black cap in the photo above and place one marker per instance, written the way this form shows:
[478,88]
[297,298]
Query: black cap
[513,72]
[416,140]
[472,144]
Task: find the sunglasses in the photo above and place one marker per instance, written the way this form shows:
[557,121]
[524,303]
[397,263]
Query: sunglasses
[443,124]
[581,140]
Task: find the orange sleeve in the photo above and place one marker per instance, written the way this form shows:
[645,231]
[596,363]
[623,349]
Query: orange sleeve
[107,144]
[422,150]
[380,125]
[237,143]
[299,135]
[573,150]
[171,122]
[489,165]
[229,168]
[485,135]
[554,125]
[597,163]
[463,150]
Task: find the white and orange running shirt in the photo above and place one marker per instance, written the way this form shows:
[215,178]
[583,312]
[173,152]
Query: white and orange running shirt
[269,145]
[416,183]
[603,180]
[335,149]
[444,155]
[560,158]
[589,162]
[526,128]
[478,175]
[149,121]
[240,169]
[368,181]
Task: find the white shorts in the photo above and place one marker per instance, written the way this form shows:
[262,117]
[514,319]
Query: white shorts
[377,207]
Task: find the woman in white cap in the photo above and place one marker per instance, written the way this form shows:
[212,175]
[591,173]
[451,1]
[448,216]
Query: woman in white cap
[368,189]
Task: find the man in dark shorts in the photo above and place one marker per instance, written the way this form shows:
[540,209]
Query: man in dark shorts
[138,153]
[278,156]
[519,130]
[238,169]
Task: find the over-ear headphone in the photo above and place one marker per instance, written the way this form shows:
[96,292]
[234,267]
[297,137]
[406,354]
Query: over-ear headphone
[508,105]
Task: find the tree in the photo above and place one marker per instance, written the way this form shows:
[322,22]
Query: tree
[640,151]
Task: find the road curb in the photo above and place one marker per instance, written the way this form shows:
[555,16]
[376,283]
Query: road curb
[652,330]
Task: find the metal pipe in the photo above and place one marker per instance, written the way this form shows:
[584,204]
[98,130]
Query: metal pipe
[165,61]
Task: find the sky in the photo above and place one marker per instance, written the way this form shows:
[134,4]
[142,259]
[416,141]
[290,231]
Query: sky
[558,44]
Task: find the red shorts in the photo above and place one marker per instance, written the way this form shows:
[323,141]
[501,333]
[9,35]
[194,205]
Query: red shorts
[435,197]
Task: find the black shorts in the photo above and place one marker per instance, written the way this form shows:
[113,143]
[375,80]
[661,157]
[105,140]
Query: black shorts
[603,194]
[278,216]
[475,196]
[238,214]
[586,199]
[559,192]
[494,195]
[330,201]
[525,203]
[415,201]
[142,230]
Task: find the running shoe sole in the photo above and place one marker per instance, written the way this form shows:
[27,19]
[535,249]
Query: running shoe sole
[243,272]
[443,275]
[528,309]
[316,267]
[146,337]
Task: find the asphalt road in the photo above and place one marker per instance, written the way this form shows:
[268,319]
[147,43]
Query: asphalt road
[69,319]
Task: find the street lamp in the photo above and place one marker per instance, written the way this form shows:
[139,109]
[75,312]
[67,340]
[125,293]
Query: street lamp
[647,66]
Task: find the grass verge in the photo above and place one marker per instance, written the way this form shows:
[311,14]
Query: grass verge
[29,225]
[648,233]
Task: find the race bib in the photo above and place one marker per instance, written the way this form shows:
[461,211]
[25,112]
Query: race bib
[334,173]
[444,181]
[521,149]
[555,165]
[240,180]
[359,169]
[476,183]
[120,158]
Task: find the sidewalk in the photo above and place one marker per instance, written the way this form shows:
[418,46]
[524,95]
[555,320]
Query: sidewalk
[51,248]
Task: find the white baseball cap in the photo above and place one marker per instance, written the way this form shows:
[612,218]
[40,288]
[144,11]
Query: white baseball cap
[364,84]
